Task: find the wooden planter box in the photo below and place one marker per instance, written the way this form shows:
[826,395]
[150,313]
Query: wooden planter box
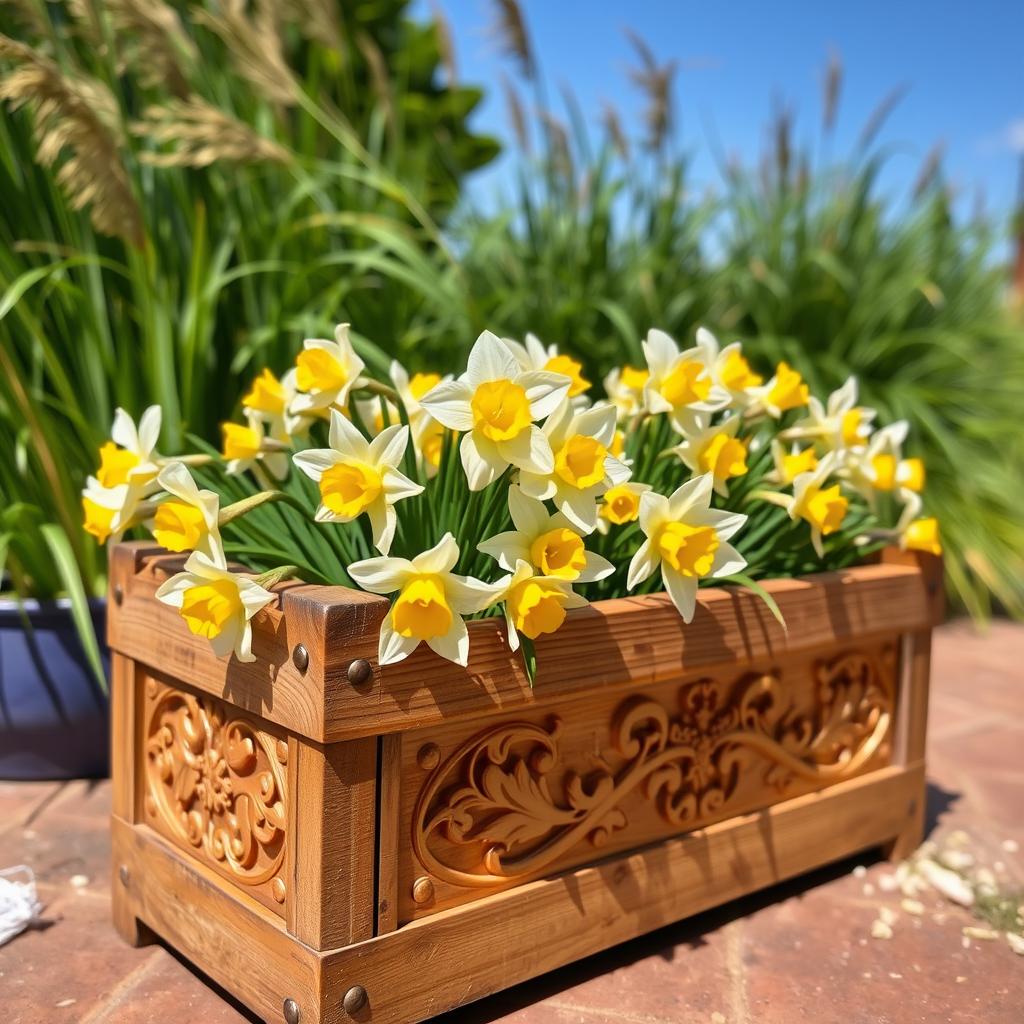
[331,841]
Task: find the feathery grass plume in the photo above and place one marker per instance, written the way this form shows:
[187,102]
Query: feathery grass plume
[558,148]
[31,17]
[317,20]
[510,30]
[152,41]
[878,117]
[255,47]
[831,88]
[613,129]
[445,42]
[655,82]
[75,121]
[378,74]
[931,167]
[203,134]
[516,115]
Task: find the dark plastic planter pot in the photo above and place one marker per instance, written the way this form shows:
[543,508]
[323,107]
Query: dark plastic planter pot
[54,720]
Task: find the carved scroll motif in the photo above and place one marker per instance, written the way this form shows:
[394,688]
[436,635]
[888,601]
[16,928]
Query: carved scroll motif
[217,784]
[501,790]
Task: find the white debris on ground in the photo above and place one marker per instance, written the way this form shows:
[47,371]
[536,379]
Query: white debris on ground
[950,870]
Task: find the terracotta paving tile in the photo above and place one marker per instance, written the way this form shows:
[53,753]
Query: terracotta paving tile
[801,951]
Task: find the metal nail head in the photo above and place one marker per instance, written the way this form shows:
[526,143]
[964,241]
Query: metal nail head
[355,999]
[292,1014]
[300,658]
[360,672]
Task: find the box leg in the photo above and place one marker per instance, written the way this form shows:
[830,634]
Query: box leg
[128,926]
[909,839]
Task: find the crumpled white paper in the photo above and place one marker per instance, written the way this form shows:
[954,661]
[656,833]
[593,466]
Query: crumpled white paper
[19,904]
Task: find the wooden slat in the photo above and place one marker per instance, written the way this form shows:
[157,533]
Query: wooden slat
[388,837]
[616,643]
[122,737]
[331,842]
[239,944]
[505,939]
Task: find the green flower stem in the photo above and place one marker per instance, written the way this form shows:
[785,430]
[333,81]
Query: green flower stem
[272,577]
[240,508]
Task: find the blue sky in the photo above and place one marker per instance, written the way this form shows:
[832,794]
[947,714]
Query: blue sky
[961,62]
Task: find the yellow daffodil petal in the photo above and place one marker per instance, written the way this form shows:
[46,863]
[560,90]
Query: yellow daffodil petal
[421,383]
[621,505]
[690,550]
[206,609]
[825,508]
[536,607]
[580,461]
[923,535]
[349,488]
[318,370]
[500,410]
[115,465]
[97,520]
[569,368]
[618,447]
[737,374]
[421,610]
[850,428]
[559,553]
[267,395]
[178,526]
[723,457]
[240,441]
[634,378]
[686,383]
[789,390]
[801,462]
[912,475]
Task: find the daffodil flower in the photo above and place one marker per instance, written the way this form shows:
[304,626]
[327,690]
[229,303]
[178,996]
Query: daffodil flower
[583,466]
[840,424]
[715,450]
[620,505]
[547,542]
[187,520]
[730,369]
[688,540]
[785,391]
[624,387]
[246,444]
[535,605]
[496,403]
[357,476]
[427,433]
[680,383]
[823,508]
[430,604]
[325,372]
[881,466]
[271,400]
[917,533]
[216,603]
[534,355]
[108,511]
[789,465]
[130,457]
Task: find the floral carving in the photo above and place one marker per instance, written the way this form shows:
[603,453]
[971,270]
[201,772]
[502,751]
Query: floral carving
[217,784]
[502,791]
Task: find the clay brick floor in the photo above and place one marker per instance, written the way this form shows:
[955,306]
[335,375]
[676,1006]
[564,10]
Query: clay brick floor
[801,951]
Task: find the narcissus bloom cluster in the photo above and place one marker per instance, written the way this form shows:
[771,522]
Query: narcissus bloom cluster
[511,489]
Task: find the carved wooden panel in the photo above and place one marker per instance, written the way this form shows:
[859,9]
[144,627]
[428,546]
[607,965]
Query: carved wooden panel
[215,785]
[489,804]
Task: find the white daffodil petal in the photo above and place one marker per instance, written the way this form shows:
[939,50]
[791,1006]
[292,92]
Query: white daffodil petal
[123,432]
[149,430]
[398,486]
[254,598]
[537,486]
[449,404]
[393,647]
[388,447]
[694,494]
[467,595]
[616,471]
[682,590]
[728,561]
[314,462]
[440,558]
[345,437]
[596,568]
[642,565]
[383,520]
[507,548]
[453,645]
[579,507]
[173,590]
[530,451]
[489,359]
[654,510]
[481,460]
[511,631]
[545,391]
[380,575]
[529,516]
[226,642]
[597,422]
[726,524]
